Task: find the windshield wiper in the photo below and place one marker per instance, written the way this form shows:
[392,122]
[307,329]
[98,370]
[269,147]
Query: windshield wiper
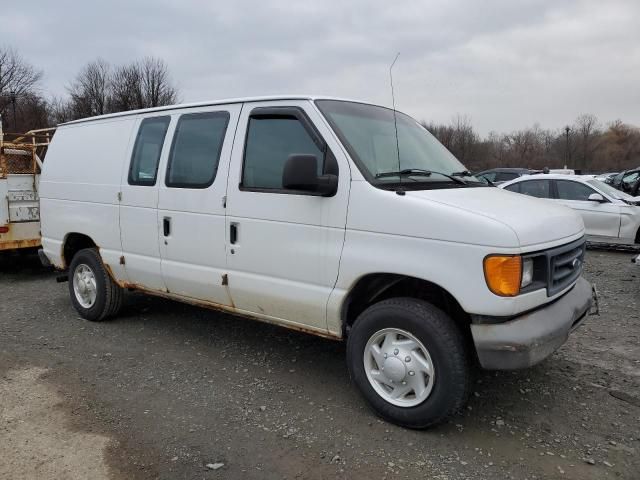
[420,172]
[467,173]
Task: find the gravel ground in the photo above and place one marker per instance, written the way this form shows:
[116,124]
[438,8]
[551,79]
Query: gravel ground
[171,391]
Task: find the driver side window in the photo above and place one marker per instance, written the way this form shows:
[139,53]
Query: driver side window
[269,143]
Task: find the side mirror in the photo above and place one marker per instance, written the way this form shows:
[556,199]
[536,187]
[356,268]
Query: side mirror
[596,197]
[301,173]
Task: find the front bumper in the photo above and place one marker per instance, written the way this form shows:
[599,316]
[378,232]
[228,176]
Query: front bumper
[532,337]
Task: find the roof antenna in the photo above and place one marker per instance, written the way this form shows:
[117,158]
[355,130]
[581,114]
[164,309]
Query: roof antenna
[395,122]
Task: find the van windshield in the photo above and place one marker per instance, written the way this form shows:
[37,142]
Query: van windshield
[368,133]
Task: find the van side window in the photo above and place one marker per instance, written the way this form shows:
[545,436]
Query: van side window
[269,142]
[195,151]
[147,150]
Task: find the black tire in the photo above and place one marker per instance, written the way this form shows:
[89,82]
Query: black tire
[446,345]
[108,294]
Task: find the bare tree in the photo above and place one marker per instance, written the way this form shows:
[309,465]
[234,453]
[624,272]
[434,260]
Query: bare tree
[18,80]
[444,133]
[464,138]
[142,84]
[157,89]
[586,129]
[16,75]
[60,111]
[620,147]
[90,91]
[126,89]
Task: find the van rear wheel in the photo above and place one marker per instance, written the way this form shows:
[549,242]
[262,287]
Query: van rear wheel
[409,361]
[93,293]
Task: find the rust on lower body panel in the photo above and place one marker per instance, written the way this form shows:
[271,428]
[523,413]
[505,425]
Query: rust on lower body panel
[19,235]
[220,307]
[229,309]
[18,244]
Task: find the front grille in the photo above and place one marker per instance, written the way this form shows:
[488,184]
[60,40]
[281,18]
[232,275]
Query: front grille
[565,265]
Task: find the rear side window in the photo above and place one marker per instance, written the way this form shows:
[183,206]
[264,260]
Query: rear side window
[514,187]
[536,188]
[568,190]
[270,142]
[147,150]
[195,152]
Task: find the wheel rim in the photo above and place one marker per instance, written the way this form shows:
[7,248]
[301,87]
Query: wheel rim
[399,367]
[84,286]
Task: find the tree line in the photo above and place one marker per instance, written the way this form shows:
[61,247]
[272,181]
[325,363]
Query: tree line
[586,144]
[100,88]
[97,89]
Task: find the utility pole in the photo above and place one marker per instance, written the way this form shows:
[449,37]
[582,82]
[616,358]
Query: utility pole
[12,97]
[567,151]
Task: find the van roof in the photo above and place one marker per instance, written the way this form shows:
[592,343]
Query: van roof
[205,104]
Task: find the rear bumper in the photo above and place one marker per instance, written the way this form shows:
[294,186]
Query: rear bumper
[532,337]
[20,235]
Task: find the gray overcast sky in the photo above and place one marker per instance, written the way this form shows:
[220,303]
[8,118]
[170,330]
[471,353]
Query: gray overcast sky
[505,64]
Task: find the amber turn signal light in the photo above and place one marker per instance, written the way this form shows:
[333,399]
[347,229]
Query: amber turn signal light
[503,274]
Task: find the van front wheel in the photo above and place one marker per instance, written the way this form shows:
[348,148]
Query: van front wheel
[409,361]
[93,293]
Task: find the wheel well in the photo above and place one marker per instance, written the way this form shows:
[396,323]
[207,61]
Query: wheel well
[376,287]
[74,242]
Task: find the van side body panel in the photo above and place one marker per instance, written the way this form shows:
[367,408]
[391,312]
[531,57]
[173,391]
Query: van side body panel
[79,188]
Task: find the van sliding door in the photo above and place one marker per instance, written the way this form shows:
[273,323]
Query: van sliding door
[191,207]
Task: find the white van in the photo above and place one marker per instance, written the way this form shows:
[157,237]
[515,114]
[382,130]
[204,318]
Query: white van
[311,213]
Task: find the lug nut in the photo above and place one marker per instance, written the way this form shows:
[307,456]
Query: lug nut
[404,383]
[411,373]
[396,351]
[407,359]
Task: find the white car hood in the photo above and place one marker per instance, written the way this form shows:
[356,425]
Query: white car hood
[534,221]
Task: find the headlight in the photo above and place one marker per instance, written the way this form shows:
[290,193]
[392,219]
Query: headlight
[503,274]
[527,272]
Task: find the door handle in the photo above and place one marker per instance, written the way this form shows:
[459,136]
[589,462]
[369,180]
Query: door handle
[166,226]
[233,233]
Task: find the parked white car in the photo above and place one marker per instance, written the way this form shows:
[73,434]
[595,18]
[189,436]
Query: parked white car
[609,215]
[303,212]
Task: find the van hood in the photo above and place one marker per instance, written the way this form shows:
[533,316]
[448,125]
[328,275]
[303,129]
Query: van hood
[533,220]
